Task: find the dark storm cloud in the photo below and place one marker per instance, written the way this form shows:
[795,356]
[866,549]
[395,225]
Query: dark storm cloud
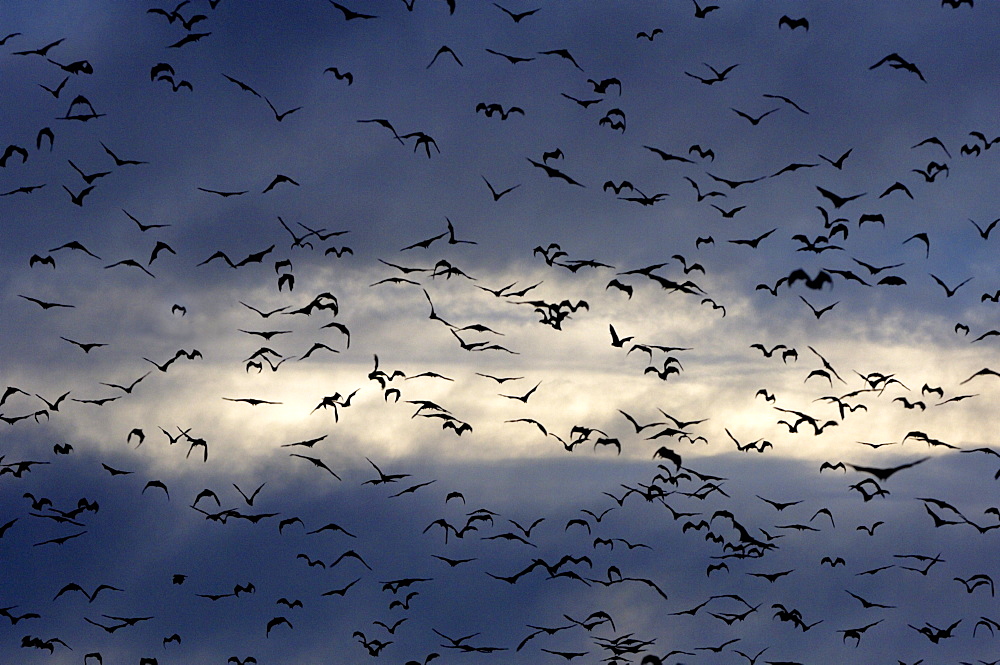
[829,144]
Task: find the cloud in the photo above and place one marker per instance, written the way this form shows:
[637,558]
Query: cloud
[568,431]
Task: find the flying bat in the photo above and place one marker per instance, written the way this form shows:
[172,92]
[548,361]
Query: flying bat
[793,23]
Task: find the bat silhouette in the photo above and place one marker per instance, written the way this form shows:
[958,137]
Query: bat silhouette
[753,242]
[589,102]
[39,51]
[73,586]
[189,39]
[719,75]
[348,76]
[350,14]
[277,621]
[702,12]
[280,116]
[985,233]
[46,260]
[895,61]
[518,16]
[512,59]
[498,195]
[754,120]
[43,304]
[793,23]
[554,173]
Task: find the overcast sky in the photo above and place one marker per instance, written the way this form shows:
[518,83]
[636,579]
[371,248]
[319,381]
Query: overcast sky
[408,268]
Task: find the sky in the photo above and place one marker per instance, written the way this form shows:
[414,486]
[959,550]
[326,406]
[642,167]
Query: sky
[659,332]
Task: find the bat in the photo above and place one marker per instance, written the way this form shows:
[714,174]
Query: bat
[793,23]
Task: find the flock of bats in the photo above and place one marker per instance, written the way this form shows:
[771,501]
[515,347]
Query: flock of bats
[678,564]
